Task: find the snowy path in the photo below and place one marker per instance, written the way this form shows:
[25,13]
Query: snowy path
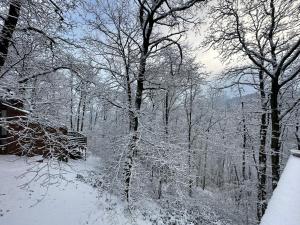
[66,203]
[63,203]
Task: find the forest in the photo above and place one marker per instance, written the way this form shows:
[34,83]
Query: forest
[189,107]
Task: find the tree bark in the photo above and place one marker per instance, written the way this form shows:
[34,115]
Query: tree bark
[189,118]
[205,164]
[276,132]
[297,132]
[167,113]
[71,104]
[244,144]
[132,148]
[8,29]
[78,112]
[262,169]
[262,158]
[297,136]
[83,113]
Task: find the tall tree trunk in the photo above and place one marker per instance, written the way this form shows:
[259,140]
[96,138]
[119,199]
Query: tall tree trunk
[262,158]
[132,148]
[129,99]
[205,154]
[78,112]
[205,164]
[71,104]
[275,113]
[167,113]
[129,159]
[198,175]
[96,118]
[91,117]
[244,144]
[276,132]
[71,116]
[83,113]
[297,131]
[189,159]
[8,29]
[189,117]
[297,135]
[262,167]
[127,170]
[166,120]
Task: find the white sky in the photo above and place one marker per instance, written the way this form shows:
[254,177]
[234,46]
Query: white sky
[206,56]
[210,58]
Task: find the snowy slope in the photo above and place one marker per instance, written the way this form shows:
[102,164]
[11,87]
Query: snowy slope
[71,199]
[69,202]
[283,208]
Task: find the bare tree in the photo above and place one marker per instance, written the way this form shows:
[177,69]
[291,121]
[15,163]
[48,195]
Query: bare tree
[153,15]
[259,31]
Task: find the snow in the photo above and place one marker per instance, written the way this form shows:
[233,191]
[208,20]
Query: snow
[15,108]
[283,208]
[66,201]
[71,198]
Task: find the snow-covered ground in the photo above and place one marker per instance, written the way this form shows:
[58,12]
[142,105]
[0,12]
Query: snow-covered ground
[63,202]
[64,194]
[283,208]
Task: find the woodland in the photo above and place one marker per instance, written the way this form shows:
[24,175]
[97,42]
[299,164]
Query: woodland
[131,76]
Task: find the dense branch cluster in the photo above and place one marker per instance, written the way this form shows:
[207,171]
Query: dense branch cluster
[123,73]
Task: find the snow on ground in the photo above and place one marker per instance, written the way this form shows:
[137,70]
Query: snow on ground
[283,208]
[65,202]
[72,199]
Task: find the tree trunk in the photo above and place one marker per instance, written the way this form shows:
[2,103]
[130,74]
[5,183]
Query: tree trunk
[167,113]
[244,145]
[276,131]
[96,118]
[190,110]
[78,112]
[83,113]
[205,165]
[262,158]
[127,171]
[198,175]
[71,104]
[132,148]
[297,132]
[262,168]
[297,136]
[8,29]
[91,118]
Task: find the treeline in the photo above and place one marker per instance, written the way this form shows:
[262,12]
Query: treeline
[123,73]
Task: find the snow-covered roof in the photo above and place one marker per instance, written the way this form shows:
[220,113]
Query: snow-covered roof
[284,206]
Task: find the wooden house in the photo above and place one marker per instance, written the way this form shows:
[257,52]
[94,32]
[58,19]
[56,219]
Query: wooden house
[22,135]
[11,110]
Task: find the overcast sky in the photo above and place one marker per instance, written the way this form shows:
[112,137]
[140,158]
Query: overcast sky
[211,60]
[208,57]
